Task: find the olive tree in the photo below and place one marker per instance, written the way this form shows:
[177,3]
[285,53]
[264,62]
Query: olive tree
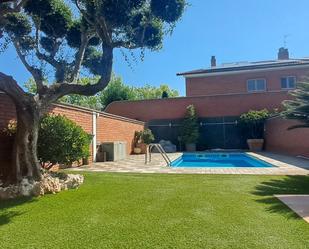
[58,39]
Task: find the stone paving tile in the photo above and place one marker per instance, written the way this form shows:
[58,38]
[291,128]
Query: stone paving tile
[298,203]
[284,165]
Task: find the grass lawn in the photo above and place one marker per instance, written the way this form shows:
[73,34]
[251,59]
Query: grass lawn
[159,211]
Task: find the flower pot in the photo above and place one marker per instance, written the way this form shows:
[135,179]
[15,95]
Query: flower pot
[137,150]
[255,144]
[191,147]
[143,147]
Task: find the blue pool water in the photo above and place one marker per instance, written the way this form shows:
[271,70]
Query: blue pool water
[219,160]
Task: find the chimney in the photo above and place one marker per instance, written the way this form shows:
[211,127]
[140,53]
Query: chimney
[283,54]
[213,61]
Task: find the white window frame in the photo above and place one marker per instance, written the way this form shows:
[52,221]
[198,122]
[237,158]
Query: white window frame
[288,87]
[254,91]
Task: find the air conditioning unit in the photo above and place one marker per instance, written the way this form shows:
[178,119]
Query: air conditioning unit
[114,151]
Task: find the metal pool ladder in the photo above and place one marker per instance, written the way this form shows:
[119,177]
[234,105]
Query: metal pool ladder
[161,151]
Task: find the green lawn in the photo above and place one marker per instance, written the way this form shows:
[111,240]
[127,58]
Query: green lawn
[159,211]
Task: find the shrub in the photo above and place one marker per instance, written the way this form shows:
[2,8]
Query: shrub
[190,127]
[61,141]
[147,137]
[253,123]
[11,128]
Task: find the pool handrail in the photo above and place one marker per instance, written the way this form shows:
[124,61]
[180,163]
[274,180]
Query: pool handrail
[161,151]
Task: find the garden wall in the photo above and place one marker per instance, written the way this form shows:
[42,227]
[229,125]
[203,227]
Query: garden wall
[206,106]
[279,139]
[108,127]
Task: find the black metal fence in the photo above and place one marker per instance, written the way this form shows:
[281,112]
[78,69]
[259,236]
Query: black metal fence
[215,133]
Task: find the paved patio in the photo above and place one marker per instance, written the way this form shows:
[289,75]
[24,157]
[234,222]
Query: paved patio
[285,165]
[298,203]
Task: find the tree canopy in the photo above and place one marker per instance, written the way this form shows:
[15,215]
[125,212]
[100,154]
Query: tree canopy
[298,109]
[81,34]
[57,39]
[115,91]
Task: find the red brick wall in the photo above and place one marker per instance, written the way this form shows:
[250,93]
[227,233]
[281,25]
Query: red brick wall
[79,116]
[206,106]
[291,142]
[109,127]
[7,110]
[237,83]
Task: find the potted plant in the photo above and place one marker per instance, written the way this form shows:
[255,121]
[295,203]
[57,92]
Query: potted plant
[253,125]
[147,137]
[136,141]
[144,138]
[190,129]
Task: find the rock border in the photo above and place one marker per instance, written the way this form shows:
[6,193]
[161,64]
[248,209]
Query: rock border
[51,183]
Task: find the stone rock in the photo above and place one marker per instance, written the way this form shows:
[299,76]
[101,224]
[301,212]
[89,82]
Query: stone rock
[9,192]
[51,183]
[26,187]
[37,189]
[73,181]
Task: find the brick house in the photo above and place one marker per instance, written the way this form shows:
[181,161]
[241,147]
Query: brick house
[221,94]
[227,90]
[247,77]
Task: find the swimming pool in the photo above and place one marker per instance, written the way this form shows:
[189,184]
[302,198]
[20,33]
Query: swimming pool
[219,160]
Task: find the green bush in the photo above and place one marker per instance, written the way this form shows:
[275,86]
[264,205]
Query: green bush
[190,127]
[147,137]
[61,141]
[253,123]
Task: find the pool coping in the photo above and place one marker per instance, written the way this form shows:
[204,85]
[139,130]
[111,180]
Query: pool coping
[284,165]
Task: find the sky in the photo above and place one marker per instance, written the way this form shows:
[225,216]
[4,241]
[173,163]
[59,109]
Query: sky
[231,30]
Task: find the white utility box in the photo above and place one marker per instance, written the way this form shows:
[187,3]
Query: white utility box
[114,151]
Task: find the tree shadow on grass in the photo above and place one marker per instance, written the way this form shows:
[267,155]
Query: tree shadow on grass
[290,185]
[6,214]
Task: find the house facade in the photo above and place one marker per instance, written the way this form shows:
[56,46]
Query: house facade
[278,75]
[220,95]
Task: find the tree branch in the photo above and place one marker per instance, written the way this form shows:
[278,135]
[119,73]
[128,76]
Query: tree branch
[79,58]
[100,26]
[124,44]
[16,7]
[59,90]
[35,72]
[10,87]
[84,13]
[42,56]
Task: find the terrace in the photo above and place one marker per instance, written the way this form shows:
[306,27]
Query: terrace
[283,165]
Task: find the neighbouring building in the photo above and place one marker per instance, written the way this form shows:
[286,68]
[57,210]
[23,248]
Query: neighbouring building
[221,94]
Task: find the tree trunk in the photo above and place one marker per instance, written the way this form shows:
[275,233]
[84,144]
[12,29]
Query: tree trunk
[28,111]
[25,162]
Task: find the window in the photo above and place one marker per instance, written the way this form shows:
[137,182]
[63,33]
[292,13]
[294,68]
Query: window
[288,82]
[256,85]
